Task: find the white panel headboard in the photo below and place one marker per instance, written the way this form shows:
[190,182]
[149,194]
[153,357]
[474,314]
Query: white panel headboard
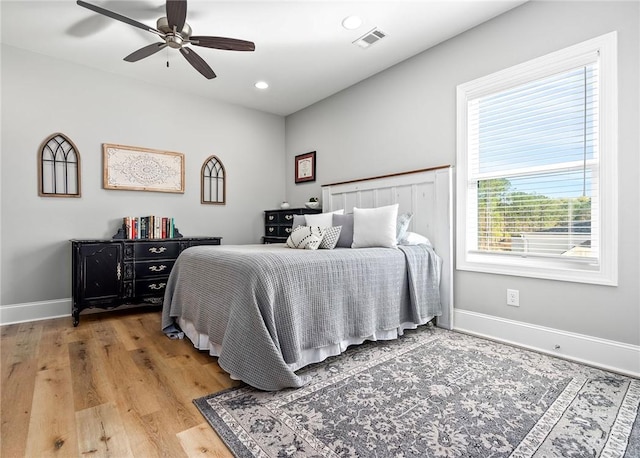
[427,194]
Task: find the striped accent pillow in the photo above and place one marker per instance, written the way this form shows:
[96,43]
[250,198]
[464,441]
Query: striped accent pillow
[305,237]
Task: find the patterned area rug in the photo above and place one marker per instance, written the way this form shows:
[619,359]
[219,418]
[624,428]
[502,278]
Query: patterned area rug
[435,393]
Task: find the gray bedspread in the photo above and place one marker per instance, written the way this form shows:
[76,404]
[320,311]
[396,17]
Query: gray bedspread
[265,304]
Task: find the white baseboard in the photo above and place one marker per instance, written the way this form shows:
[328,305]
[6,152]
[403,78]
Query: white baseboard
[34,311]
[605,354]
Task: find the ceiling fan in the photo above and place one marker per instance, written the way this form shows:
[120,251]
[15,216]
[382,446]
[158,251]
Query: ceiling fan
[176,33]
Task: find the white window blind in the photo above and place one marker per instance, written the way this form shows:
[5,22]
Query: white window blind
[537,167]
[533,158]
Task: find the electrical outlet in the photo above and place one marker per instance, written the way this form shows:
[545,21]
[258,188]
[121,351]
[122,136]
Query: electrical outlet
[513,297]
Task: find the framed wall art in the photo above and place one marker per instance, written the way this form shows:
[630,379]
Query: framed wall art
[58,167]
[213,187]
[305,167]
[142,169]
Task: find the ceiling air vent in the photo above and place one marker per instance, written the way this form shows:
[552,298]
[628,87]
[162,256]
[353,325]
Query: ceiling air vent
[370,38]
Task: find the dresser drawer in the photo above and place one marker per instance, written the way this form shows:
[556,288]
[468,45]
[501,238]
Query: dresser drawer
[151,287]
[156,250]
[146,269]
[209,241]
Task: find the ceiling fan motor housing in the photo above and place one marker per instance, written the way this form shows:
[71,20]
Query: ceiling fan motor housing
[174,40]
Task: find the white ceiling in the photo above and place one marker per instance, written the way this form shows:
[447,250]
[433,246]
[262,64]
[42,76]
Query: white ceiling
[302,50]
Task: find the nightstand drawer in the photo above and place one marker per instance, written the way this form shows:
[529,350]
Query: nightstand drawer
[284,231]
[287,218]
[156,250]
[148,269]
[272,217]
[277,223]
[271,231]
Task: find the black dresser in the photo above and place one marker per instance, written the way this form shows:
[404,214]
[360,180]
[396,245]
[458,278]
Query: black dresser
[109,273]
[277,223]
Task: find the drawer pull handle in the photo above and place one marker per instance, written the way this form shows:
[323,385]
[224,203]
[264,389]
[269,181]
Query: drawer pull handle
[158,286]
[271,217]
[159,268]
[271,229]
[162,249]
[288,230]
[288,217]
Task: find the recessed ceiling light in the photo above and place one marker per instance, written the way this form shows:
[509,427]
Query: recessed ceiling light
[351,22]
[261,85]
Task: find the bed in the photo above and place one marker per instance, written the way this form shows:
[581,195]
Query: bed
[266,311]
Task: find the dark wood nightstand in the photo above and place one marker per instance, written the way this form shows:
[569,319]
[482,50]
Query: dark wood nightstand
[112,272]
[277,223]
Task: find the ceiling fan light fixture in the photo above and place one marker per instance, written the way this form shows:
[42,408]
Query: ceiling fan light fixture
[261,85]
[351,22]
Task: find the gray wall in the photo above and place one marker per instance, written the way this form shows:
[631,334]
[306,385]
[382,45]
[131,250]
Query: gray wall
[405,118]
[41,96]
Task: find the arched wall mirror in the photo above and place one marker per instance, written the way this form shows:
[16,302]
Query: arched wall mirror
[213,184]
[58,167]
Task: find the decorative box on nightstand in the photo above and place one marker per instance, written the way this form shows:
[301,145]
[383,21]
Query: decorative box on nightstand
[113,272]
[277,223]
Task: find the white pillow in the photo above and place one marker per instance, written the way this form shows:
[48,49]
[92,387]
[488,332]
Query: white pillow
[375,227]
[411,238]
[322,219]
[305,237]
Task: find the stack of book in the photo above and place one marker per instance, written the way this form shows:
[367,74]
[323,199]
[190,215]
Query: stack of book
[148,227]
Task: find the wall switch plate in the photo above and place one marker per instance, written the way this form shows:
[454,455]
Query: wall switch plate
[513,297]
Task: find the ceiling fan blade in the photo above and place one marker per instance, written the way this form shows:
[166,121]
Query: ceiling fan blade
[197,62]
[176,13]
[229,44]
[118,17]
[145,52]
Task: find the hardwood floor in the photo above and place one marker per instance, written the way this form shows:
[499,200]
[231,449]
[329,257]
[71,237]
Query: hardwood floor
[115,386]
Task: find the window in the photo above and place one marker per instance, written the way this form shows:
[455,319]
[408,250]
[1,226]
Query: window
[58,168]
[213,188]
[537,160]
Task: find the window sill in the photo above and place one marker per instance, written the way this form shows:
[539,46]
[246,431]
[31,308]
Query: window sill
[555,269]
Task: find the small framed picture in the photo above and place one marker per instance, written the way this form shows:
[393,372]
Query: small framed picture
[306,167]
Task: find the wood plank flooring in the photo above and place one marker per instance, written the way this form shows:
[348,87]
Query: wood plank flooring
[115,386]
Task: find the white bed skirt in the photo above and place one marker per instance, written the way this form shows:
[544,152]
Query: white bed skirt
[310,356]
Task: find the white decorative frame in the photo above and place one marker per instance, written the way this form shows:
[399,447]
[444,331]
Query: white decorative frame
[142,169]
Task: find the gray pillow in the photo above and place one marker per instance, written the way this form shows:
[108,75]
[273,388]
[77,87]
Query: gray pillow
[346,234]
[298,220]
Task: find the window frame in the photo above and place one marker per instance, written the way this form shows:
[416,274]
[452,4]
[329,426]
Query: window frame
[605,272]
